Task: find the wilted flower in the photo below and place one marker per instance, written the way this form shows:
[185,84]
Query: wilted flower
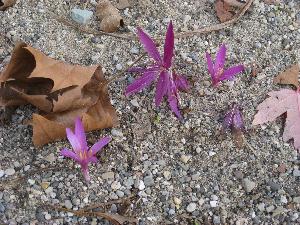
[233,119]
[81,153]
[168,81]
[217,71]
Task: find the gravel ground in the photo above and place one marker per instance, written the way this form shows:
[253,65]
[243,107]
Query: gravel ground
[182,172]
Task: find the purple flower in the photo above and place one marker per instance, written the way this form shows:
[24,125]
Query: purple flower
[233,119]
[217,71]
[81,153]
[168,81]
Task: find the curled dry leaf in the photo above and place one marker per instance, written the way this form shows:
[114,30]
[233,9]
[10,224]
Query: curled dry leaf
[280,102]
[62,91]
[4,4]
[109,15]
[224,11]
[290,76]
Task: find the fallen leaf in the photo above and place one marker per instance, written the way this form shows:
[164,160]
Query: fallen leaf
[123,4]
[60,90]
[224,11]
[278,103]
[4,4]
[290,76]
[109,15]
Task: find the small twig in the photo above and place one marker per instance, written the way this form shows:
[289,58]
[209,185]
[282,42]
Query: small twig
[125,70]
[219,26]
[90,31]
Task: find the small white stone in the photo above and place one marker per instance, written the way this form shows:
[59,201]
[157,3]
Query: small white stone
[47,216]
[185,158]
[10,171]
[141,185]
[31,182]
[2,173]
[213,204]
[119,66]
[177,201]
[191,207]
[115,185]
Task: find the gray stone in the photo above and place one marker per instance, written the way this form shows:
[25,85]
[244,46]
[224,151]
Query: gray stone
[248,185]
[120,193]
[50,158]
[2,173]
[296,199]
[116,133]
[296,173]
[191,207]
[171,212]
[10,171]
[274,186]
[148,181]
[216,220]
[129,182]
[81,16]
[2,208]
[68,204]
[47,216]
[108,175]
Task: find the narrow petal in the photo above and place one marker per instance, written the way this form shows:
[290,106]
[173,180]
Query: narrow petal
[173,103]
[227,122]
[210,66]
[73,140]
[93,159]
[99,145]
[220,58]
[70,154]
[142,70]
[231,72]
[149,45]
[169,46]
[80,134]
[140,83]
[161,87]
[181,82]
[238,122]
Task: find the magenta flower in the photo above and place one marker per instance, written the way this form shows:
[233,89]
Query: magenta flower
[217,71]
[233,119]
[168,81]
[81,153]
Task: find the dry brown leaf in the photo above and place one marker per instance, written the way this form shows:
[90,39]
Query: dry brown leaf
[61,90]
[123,4]
[235,3]
[109,15]
[290,76]
[4,4]
[224,11]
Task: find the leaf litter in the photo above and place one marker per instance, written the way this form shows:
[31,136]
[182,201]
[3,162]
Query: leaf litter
[59,90]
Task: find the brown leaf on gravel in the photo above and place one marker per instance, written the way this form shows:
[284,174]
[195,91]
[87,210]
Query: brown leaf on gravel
[62,91]
[235,3]
[4,4]
[224,11]
[109,15]
[290,76]
[123,4]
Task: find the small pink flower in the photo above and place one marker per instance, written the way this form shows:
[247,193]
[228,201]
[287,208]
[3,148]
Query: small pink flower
[216,69]
[81,153]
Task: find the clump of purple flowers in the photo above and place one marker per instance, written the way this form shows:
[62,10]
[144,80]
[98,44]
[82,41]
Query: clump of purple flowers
[81,153]
[216,69]
[169,83]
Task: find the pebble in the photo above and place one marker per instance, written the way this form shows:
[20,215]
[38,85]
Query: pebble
[171,212]
[185,158]
[148,181]
[296,173]
[108,175]
[283,199]
[177,201]
[120,193]
[213,204]
[115,185]
[116,133]
[10,171]
[2,173]
[50,158]
[119,66]
[296,200]
[68,204]
[167,175]
[216,220]
[81,16]
[274,186]
[47,216]
[191,207]
[141,185]
[248,185]
[2,208]
[31,182]
[261,207]
[270,208]
[135,103]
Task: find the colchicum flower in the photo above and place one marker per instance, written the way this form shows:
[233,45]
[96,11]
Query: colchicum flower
[217,71]
[233,119]
[168,81]
[81,153]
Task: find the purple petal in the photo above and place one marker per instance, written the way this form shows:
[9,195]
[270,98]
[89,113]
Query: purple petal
[149,45]
[161,87]
[227,122]
[173,103]
[181,82]
[136,70]
[99,145]
[210,66]
[169,46]
[220,58]
[73,140]
[238,122]
[70,154]
[140,83]
[80,134]
[93,159]
[231,72]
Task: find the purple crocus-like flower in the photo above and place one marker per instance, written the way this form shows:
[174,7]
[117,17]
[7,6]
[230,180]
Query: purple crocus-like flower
[81,153]
[168,81]
[216,69]
[233,119]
